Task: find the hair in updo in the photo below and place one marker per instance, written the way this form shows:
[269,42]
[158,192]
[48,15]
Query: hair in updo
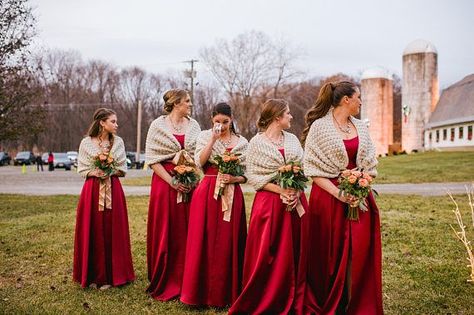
[271,110]
[173,97]
[101,114]
[223,109]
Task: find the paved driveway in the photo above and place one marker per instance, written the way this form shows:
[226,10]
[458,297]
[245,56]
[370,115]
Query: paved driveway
[60,182]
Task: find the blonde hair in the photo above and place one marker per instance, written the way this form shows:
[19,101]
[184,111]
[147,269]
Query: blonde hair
[173,97]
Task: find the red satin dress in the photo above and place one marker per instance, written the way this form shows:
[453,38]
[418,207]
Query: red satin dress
[215,248]
[167,228]
[102,252]
[275,258]
[345,261]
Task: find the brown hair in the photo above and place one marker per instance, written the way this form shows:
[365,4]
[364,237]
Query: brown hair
[101,114]
[271,109]
[224,109]
[329,96]
[173,97]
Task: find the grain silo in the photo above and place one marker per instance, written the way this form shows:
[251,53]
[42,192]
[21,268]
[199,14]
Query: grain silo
[420,91]
[377,107]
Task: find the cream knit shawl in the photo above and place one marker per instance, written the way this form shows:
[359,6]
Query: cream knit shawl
[264,159]
[218,148]
[325,153]
[88,151]
[161,145]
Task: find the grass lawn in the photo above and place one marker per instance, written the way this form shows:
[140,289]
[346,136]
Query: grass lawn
[428,167]
[424,265]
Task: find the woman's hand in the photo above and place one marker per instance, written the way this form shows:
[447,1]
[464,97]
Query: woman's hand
[349,199]
[97,173]
[229,179]
[289,196]
[180,187]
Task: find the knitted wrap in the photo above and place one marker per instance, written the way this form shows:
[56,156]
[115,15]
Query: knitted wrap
[325,153]
[218,148]
[161,145]
[89,150]
[264,159]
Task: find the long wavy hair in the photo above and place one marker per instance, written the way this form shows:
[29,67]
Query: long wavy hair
[95,129]
[329,96]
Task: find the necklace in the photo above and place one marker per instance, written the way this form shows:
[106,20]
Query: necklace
[226,143]
[104,144]
[346,129]
[177,128]
[278,143]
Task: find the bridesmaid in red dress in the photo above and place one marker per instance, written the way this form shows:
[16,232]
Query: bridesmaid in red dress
[275,255]
[102,256]
[217,225]
[170,137]
[345,263]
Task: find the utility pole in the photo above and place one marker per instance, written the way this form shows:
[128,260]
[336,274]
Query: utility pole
[191,74]
[139,133]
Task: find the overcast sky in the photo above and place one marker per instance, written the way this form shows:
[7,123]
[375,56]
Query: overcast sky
[333,35]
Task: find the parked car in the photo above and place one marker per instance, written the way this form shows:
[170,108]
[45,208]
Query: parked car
[61,160]
[24,157]
[72,155]
[44,157]
[4,158]
[131,156]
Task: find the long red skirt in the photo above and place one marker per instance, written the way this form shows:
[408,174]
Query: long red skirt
[215,248]
[345,263]
[275,259]
[166,239]
[102,242]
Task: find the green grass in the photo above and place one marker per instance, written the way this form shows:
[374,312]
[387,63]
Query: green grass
[427,167]
[424,265]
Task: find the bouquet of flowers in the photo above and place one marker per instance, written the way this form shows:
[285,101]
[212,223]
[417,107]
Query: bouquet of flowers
[186,175]
[106,163]
[291,176]
[228,163]
[355,183]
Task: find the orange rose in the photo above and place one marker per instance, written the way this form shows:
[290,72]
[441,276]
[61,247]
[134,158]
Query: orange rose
[363,182]
[352,179]
[226,158]
[346,173]
[102,157]
[188,169]
[234,158]
[288,168]
[110,159]
[281,169]
[356,173]
[181,169]
[367,177]
[296,169]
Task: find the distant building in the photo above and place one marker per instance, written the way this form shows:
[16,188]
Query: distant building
[420,92]
[377,107]
[451,124]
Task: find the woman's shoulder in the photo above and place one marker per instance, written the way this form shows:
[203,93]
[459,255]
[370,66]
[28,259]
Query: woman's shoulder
[242,139]
[193,123]
[290,136]
[118,139]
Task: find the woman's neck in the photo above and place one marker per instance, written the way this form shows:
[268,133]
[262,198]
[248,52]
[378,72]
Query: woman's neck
[273,131]
[176,117]
[341,114]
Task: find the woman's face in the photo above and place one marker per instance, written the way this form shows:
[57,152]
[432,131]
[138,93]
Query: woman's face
[354,103]
[110,124]
[224,120]
[285,119]
[184,106]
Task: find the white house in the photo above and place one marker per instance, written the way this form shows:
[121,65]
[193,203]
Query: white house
[451,125]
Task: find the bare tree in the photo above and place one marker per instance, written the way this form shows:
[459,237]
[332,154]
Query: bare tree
[246,65]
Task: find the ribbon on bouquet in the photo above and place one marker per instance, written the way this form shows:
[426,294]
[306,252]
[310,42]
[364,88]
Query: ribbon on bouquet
[299,206]
[182,157]
[105,194]
[227,198]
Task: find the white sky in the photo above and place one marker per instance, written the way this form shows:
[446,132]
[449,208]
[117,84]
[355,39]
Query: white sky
[334,36]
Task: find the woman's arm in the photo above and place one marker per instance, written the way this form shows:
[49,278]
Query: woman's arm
[328,186]
[164,175]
